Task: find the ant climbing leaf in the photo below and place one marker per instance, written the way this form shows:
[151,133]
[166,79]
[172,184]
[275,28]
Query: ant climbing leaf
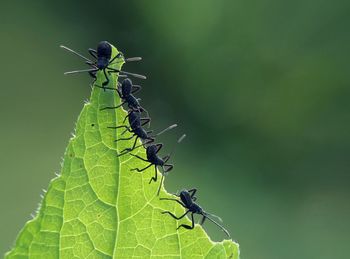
[97,208]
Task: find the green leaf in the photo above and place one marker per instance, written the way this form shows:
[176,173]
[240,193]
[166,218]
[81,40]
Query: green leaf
[98,208]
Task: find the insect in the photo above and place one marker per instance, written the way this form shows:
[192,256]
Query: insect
[187,200]
[155,160]
[103,61]
[126,93]
[136,123]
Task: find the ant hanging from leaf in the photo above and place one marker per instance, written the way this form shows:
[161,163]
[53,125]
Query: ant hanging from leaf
[103,61]
[136,123]
[187,200]
[154,159]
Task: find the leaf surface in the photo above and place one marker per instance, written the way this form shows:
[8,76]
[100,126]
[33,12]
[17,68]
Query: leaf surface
[98,208]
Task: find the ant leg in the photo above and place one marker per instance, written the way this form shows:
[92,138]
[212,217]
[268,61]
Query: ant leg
[202,220]
[149,141]
[140,170]
[127,129]
[91,64]
[123,126]
[124,138]
[136,88]
[118,127]
[171,214]
[126,150]
[107,79]
[140,158]
[93,75]
[159,147]
[166,158]
[192,191]
[170,199]
[93,53]
[116,56]
[160,184]
[113,107]
[135,142]
[141,109]
[119,93]
[187,226]
[146,120]
[104,88]
[154,178]
[168,168]
[126,117]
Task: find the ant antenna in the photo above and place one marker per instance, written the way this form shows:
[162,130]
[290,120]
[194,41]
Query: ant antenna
[215,216]
[171,153]
[132,74]
[74,52]
[165,130]
[177,142]
[206,215]
[125,73]
[127,60]
[81,71]
[133,59]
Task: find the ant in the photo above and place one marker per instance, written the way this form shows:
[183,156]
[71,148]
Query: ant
[126,94]
[136,123]
[103,61]
[154,159]
[187,200]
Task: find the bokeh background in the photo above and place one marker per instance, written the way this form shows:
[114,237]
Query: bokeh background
[260,87]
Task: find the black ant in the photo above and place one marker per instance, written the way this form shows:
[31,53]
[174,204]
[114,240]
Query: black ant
[103,61]
[154,159]
[187,200]
[126,94]
[136,123]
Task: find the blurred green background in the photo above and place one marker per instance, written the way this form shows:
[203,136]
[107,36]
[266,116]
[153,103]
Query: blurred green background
[260,87]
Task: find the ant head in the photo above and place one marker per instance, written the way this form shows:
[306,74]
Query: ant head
[104,50]
[126,86]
